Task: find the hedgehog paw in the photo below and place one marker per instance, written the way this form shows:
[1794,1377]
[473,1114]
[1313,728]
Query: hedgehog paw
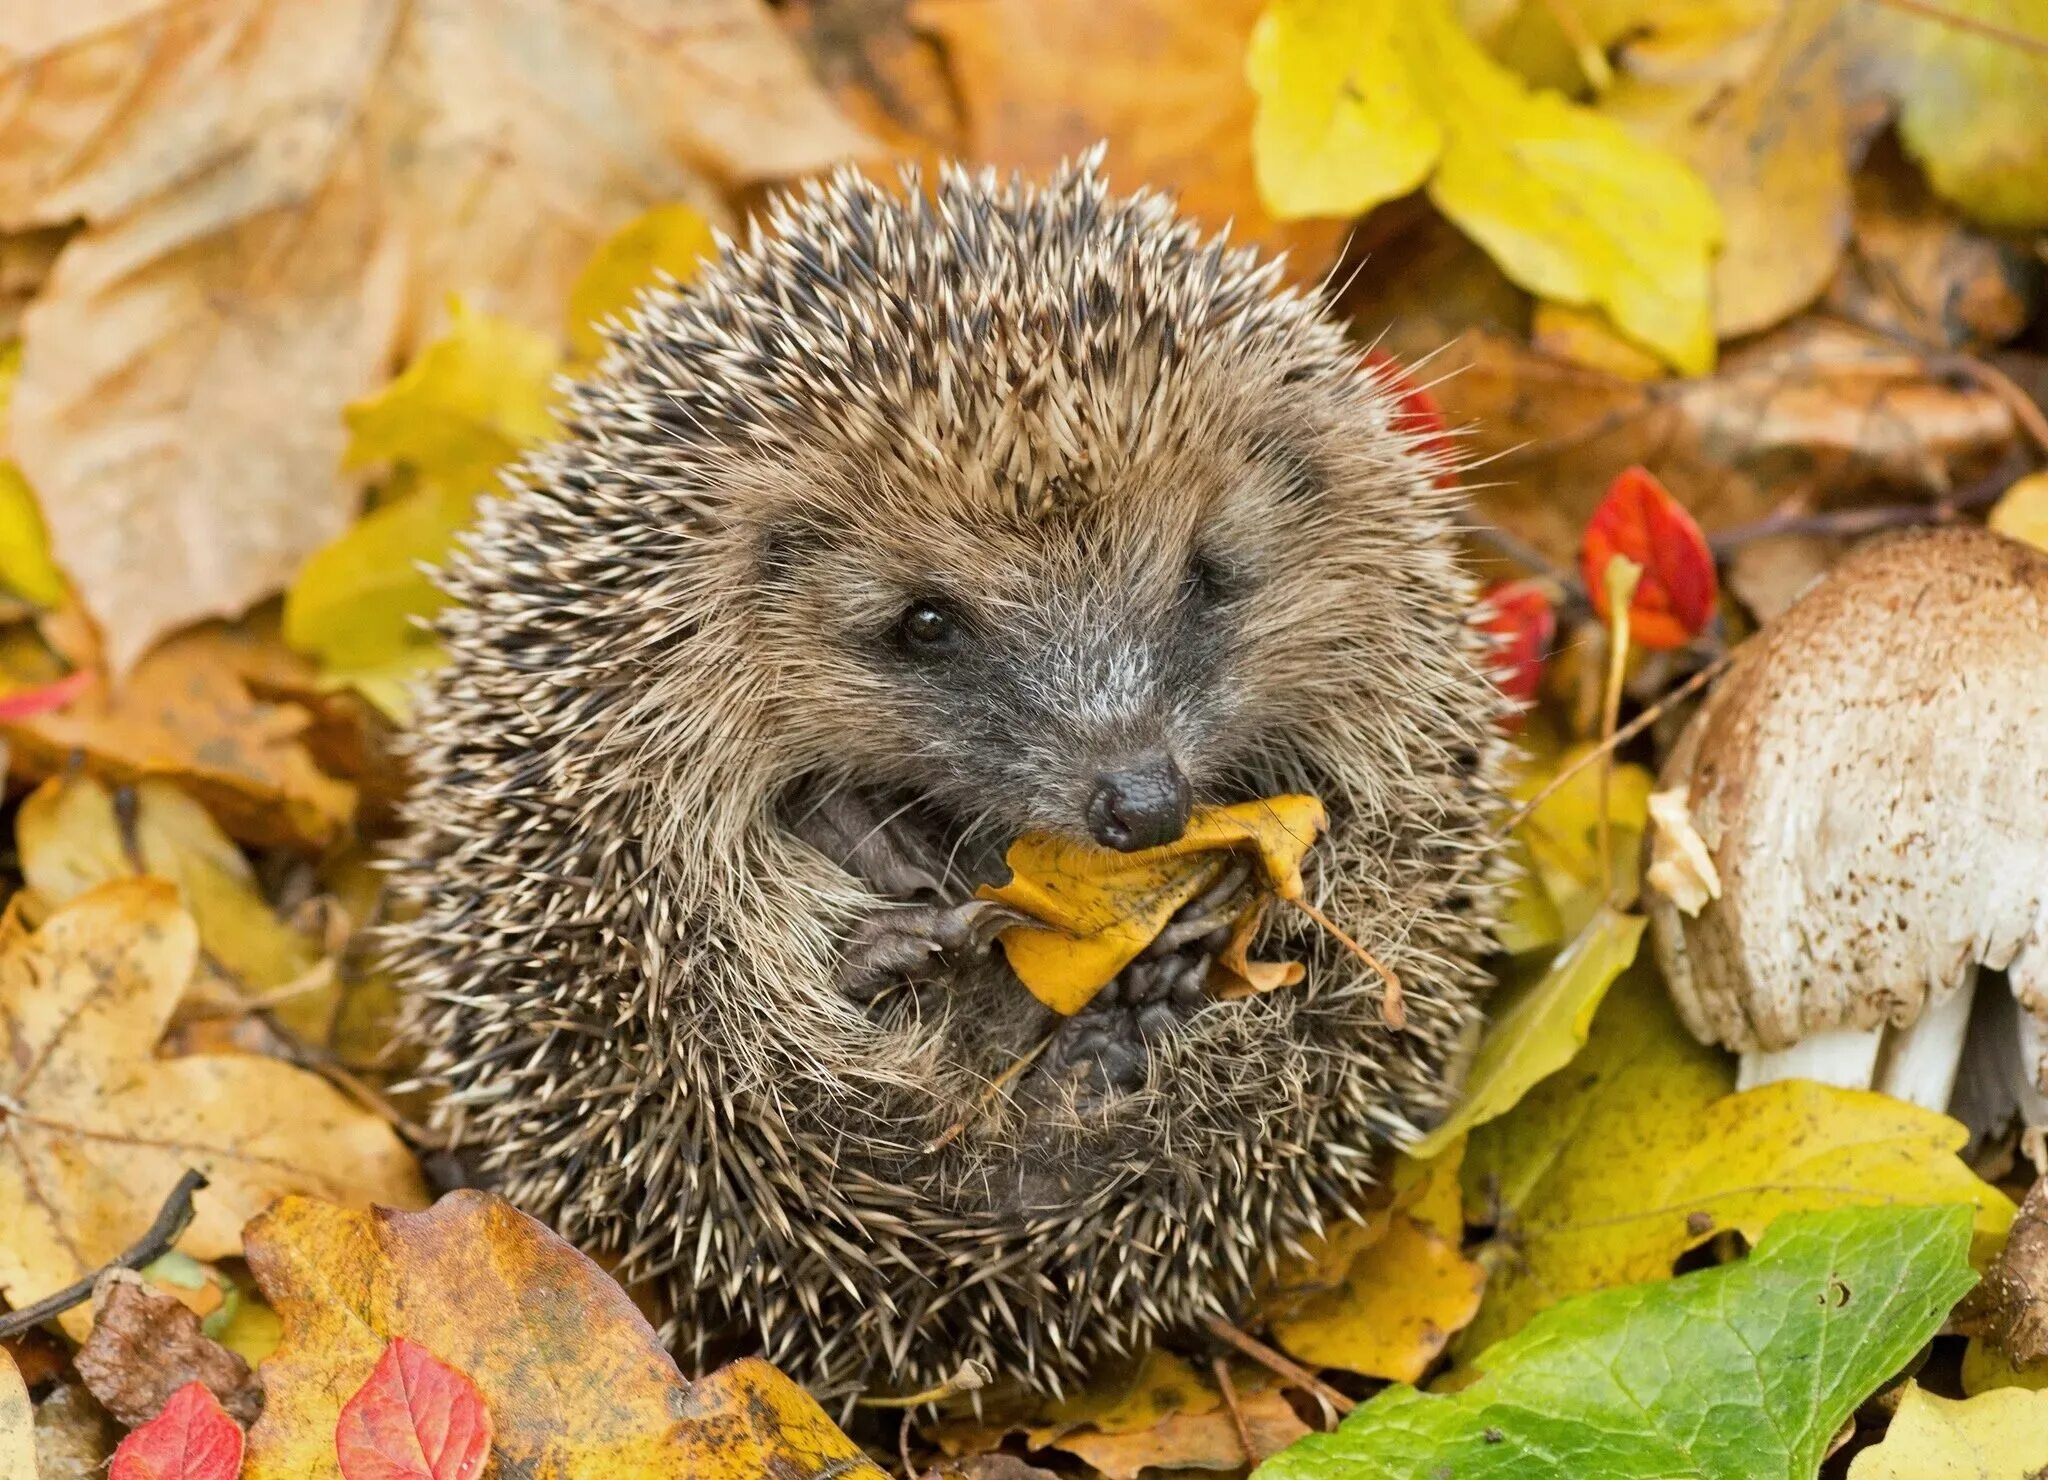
[918,942]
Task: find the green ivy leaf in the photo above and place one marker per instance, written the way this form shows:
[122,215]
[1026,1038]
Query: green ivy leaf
[1738,1373]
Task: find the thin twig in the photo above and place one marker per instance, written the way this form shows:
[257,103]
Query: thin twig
[1621,737]
[1971,23]
[1393,1004]
[1278,1364]
[995,1087]
[171,1221]
[2033,421]
[1229,1390]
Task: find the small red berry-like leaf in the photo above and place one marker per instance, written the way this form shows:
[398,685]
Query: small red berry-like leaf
[192,1438]
[1415,411]
[415,1418]
[1519,613]
[1675,599]
[44,697]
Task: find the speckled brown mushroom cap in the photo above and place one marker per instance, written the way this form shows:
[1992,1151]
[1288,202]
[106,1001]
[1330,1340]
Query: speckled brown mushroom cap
[1870,780]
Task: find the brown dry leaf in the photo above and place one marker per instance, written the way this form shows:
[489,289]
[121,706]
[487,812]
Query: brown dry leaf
[97,1129]
[578,1385]
[1163,82]
[188,711]
[2010,1308]
[145,1345]
[1100,908]
[277,198]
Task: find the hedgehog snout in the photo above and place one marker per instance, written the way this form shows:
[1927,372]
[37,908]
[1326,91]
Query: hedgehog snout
[1143,803]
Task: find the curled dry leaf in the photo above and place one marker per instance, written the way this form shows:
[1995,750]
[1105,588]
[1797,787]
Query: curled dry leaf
[145,1346]
[192,1439]
[1100,908]
[2010,1308]
[1641,522]
[274,199]
[414,1418]
[577,1383]
[99,1128]
[1895,723]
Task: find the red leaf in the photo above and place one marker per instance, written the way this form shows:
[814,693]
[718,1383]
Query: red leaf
[415,1418]
[1675,600]
[1519,613]
[192,1438]
[45,697]
[1415,411]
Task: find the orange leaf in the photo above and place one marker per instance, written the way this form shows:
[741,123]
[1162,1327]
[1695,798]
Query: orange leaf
[191,1439]
[1642,522]
[414,1418]
[1519,613]
[1415,411]
[1100,908]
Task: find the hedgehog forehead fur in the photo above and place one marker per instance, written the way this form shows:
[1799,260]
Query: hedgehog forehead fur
[1160,508]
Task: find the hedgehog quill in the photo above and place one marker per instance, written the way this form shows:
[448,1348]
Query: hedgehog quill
[916,524]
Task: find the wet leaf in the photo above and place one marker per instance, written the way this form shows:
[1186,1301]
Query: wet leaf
[1383,1297]
[1358,104]
[192,1439]
[2001,1435]
[1744,1372]
[667,242]
[414,1418]
[99,1129]
[577,1384]
[1540,1025]
[1102,907]
[1640,521]
[1605,1175]
[17,1423]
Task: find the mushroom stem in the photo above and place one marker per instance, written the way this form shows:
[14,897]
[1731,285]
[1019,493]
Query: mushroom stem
[1920,1061]
[1844,1057]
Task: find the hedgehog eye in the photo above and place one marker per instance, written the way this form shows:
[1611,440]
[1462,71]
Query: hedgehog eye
[928,627]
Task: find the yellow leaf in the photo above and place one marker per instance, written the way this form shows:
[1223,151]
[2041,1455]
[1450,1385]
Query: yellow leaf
[1605,1175]
[1164,1384]
[99,1128]
[469,404]
[26,568]
[1568,203]
[2021,512]
[1538,1027]
[667,241]
[1170,1418]
[1562,836]
[1100,908]
[70,841]
[17,1423]
[1985,1367]
[1383,1298]
[1970,100]
[2000,1435]
[578,1385]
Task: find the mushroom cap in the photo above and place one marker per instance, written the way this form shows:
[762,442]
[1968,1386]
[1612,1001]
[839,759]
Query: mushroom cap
[1870,780]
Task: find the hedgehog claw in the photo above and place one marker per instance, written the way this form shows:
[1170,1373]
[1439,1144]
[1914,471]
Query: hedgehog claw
[916,942]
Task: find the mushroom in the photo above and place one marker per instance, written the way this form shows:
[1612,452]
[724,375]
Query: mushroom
[1855,824]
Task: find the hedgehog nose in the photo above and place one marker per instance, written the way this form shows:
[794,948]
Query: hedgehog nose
[1141,805]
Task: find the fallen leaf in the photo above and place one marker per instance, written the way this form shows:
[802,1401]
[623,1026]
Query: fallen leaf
[45,698]
[1745,1372]
[1561,837]
[2000,1435]
[1639,519]
[666,243]
[1606,1175]
[26,569]
[1165,86]
[145,1346]
[1162,1384]
[1360,105]
[578,1385]
[75,1439]
[2010,1308]
[192,1439]
[1986,1369]
[1539,1026]
[1969,99]
[1189,1441]
[1382,1298]
[187,712]
[414,1418]
[1100,908]
[99,1129]
[277,201]
[17,1423]
[2021,512]
[1520,615]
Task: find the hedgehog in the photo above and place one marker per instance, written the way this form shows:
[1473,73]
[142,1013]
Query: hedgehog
[923,520]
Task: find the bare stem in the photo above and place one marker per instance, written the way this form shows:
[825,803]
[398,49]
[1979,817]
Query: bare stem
[1278,1364]
[1393,1004]
[1229,1390]
[171,1221]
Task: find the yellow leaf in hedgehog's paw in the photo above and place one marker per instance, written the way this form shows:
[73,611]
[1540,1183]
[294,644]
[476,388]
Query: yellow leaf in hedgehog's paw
[1099,908]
